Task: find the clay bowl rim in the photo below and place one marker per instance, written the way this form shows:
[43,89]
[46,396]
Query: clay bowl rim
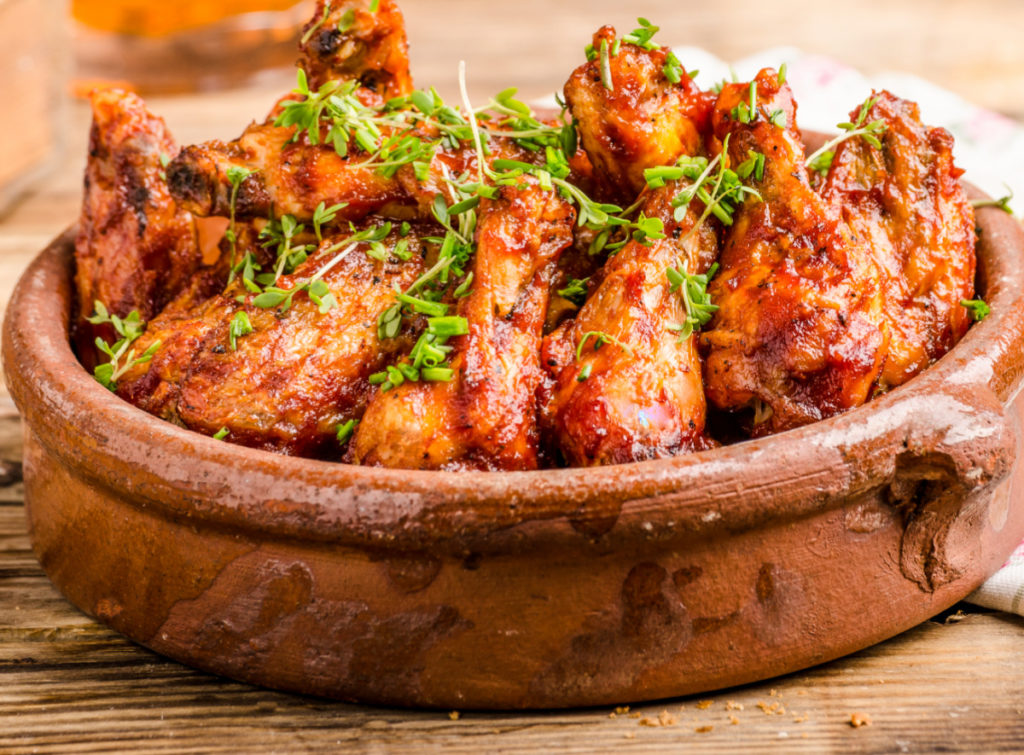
[189,476]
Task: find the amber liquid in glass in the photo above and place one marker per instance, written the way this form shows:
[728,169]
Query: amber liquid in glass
[182,46]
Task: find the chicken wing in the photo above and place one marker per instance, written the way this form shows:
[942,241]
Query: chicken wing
[486,416]
[287,384]
[135,249]
[799,334]
[905,201]
[349,40]
[626,386]
[641,121]
[284,177]
[292,172]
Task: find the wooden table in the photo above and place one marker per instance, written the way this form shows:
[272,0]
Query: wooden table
[69,685]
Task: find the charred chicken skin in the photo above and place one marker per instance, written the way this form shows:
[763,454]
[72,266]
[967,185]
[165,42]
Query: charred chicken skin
[388,273]
[360,56]
[350,41]
[283,176]
[799,331]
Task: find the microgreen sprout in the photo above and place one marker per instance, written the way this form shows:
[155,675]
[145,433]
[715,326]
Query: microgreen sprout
[600,339]
[696,299]
[977,308]
[120,356]
[346,430]
[1003,202]
[821,159]
[235,175]
[240,326]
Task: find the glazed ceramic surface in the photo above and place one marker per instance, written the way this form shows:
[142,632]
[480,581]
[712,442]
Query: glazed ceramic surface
[528,589]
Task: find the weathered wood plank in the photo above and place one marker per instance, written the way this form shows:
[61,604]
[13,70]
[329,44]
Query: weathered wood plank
[90,689]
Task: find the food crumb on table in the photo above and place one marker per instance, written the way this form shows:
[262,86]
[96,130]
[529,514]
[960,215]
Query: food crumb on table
[704,729]
[664,719]
[454,715]
[858,720]
[705,704]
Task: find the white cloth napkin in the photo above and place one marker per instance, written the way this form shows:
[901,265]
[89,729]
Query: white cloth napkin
[989,147]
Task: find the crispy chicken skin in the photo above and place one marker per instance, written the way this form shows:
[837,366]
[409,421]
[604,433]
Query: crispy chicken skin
[486,416]
[905,201]
[290,382]
[800,327]
[643,121]
[353,42]
[648,401]
[135,249]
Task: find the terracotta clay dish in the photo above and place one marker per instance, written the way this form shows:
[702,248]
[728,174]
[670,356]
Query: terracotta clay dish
[525,589]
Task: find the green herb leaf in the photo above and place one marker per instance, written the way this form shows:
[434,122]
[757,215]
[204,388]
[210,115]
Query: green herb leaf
[240,326]
[346,430]
[977,308]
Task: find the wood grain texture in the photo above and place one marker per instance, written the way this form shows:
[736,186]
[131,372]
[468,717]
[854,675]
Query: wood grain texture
[70,685]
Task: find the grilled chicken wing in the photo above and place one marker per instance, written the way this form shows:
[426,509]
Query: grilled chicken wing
[348,40]
[344,42]
[291,176]
[288,178]
[486,416]
[905,201]
[135,249]
[641,395]
[799,328]
[642,121]
[288,384]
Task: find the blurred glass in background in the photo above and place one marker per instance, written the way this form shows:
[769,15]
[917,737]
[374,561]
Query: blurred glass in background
[173,46]
[33,75]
